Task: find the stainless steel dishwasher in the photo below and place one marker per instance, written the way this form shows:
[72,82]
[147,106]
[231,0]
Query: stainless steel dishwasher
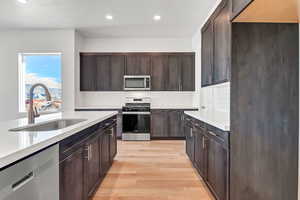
[35,178]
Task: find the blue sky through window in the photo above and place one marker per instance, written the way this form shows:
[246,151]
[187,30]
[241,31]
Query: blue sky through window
[44,66]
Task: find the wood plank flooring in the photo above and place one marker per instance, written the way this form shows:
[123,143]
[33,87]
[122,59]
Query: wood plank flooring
[155,170]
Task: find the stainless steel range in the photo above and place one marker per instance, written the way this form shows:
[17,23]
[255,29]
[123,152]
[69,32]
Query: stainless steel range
[136,119]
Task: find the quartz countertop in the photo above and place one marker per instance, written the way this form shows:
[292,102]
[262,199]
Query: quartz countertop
[223,125]
[17,145]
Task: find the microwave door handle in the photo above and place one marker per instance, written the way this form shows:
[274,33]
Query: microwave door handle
[145,82]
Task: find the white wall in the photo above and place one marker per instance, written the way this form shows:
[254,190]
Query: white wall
[116,99]
[14,42]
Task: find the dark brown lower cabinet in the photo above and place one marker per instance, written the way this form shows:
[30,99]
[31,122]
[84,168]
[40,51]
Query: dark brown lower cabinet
[71,176]
[159,123]
[217,168]
[175,123]
[92,165]
[208,151]
[200,151]
[85,159]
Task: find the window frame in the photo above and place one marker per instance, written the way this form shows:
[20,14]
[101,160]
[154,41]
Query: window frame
[21,80]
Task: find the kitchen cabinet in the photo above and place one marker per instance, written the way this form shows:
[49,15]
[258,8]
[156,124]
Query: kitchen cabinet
[264,111]
[175,128]
[174,71]
[216,45]
[168,71]
[207,148]
[85,159]
[159,72]
[103,79]
[187,73]
[117,71]
[88,65]
[92,165]
[105,150]
[138,64]
[72,176]
[222,44]
[207,54]
[217,166]
[113,142]
[200,150]
[159,123]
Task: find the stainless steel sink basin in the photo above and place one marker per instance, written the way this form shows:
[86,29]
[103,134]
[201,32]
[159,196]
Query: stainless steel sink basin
[49,125]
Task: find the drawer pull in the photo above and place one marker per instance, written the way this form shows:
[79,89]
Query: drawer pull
[20,183]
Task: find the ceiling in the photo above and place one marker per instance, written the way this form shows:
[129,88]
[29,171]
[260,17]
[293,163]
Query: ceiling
[132,18]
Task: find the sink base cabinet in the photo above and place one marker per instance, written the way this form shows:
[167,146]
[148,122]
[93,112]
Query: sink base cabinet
[85,159]
[207,148]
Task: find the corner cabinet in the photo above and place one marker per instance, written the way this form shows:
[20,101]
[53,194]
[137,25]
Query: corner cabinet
[216,45]
[85,159]
[207,148]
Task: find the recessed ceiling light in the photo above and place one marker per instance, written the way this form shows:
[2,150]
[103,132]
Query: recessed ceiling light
[156,17]
[109,17]
[23,1]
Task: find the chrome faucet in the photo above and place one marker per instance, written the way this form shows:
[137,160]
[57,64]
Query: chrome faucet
[32,112]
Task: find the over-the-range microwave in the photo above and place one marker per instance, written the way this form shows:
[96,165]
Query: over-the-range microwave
[133,83]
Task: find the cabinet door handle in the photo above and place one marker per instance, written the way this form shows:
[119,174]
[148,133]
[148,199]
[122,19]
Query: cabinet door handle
[203,143]
[91,152]
[23,181]
[191,132]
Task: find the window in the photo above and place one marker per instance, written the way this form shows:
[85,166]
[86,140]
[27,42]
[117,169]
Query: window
[42,68]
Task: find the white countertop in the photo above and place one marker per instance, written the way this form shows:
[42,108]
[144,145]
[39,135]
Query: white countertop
[223,125]
[17,145]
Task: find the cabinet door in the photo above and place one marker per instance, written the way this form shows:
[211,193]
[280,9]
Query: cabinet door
[175,124]
[113,143]
[201,152]
[207,55]
[92,165]
[117,71]
[188,73]
[72,177]
[222,45]
[174,71]
[138,64]
[217,163]
[159,70]
[159,123]
[104,152]
[88,66]
[103,80]
[190,143]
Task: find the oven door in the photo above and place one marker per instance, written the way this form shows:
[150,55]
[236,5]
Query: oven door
[136,122]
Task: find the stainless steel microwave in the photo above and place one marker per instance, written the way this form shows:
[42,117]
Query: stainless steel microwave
[137,83]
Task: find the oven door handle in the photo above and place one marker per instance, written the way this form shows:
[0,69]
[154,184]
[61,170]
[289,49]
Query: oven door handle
[136,113]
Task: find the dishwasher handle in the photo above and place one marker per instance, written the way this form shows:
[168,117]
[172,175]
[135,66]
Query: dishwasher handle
[23,181]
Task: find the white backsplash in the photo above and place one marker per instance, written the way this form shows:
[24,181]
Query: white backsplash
[215,102]
[116,99]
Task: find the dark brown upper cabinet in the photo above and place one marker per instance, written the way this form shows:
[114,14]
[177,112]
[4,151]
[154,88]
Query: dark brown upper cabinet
[216,47]
[159,72]
[138,64]
[207,54]
[187,73]
[88,65]
[168,71]
[222,44]
[101,72]
[174,71]
[117,66]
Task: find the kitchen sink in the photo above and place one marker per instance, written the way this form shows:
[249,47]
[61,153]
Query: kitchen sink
[49,125]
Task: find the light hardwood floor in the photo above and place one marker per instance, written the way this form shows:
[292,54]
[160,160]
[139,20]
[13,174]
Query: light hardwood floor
[155,170]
